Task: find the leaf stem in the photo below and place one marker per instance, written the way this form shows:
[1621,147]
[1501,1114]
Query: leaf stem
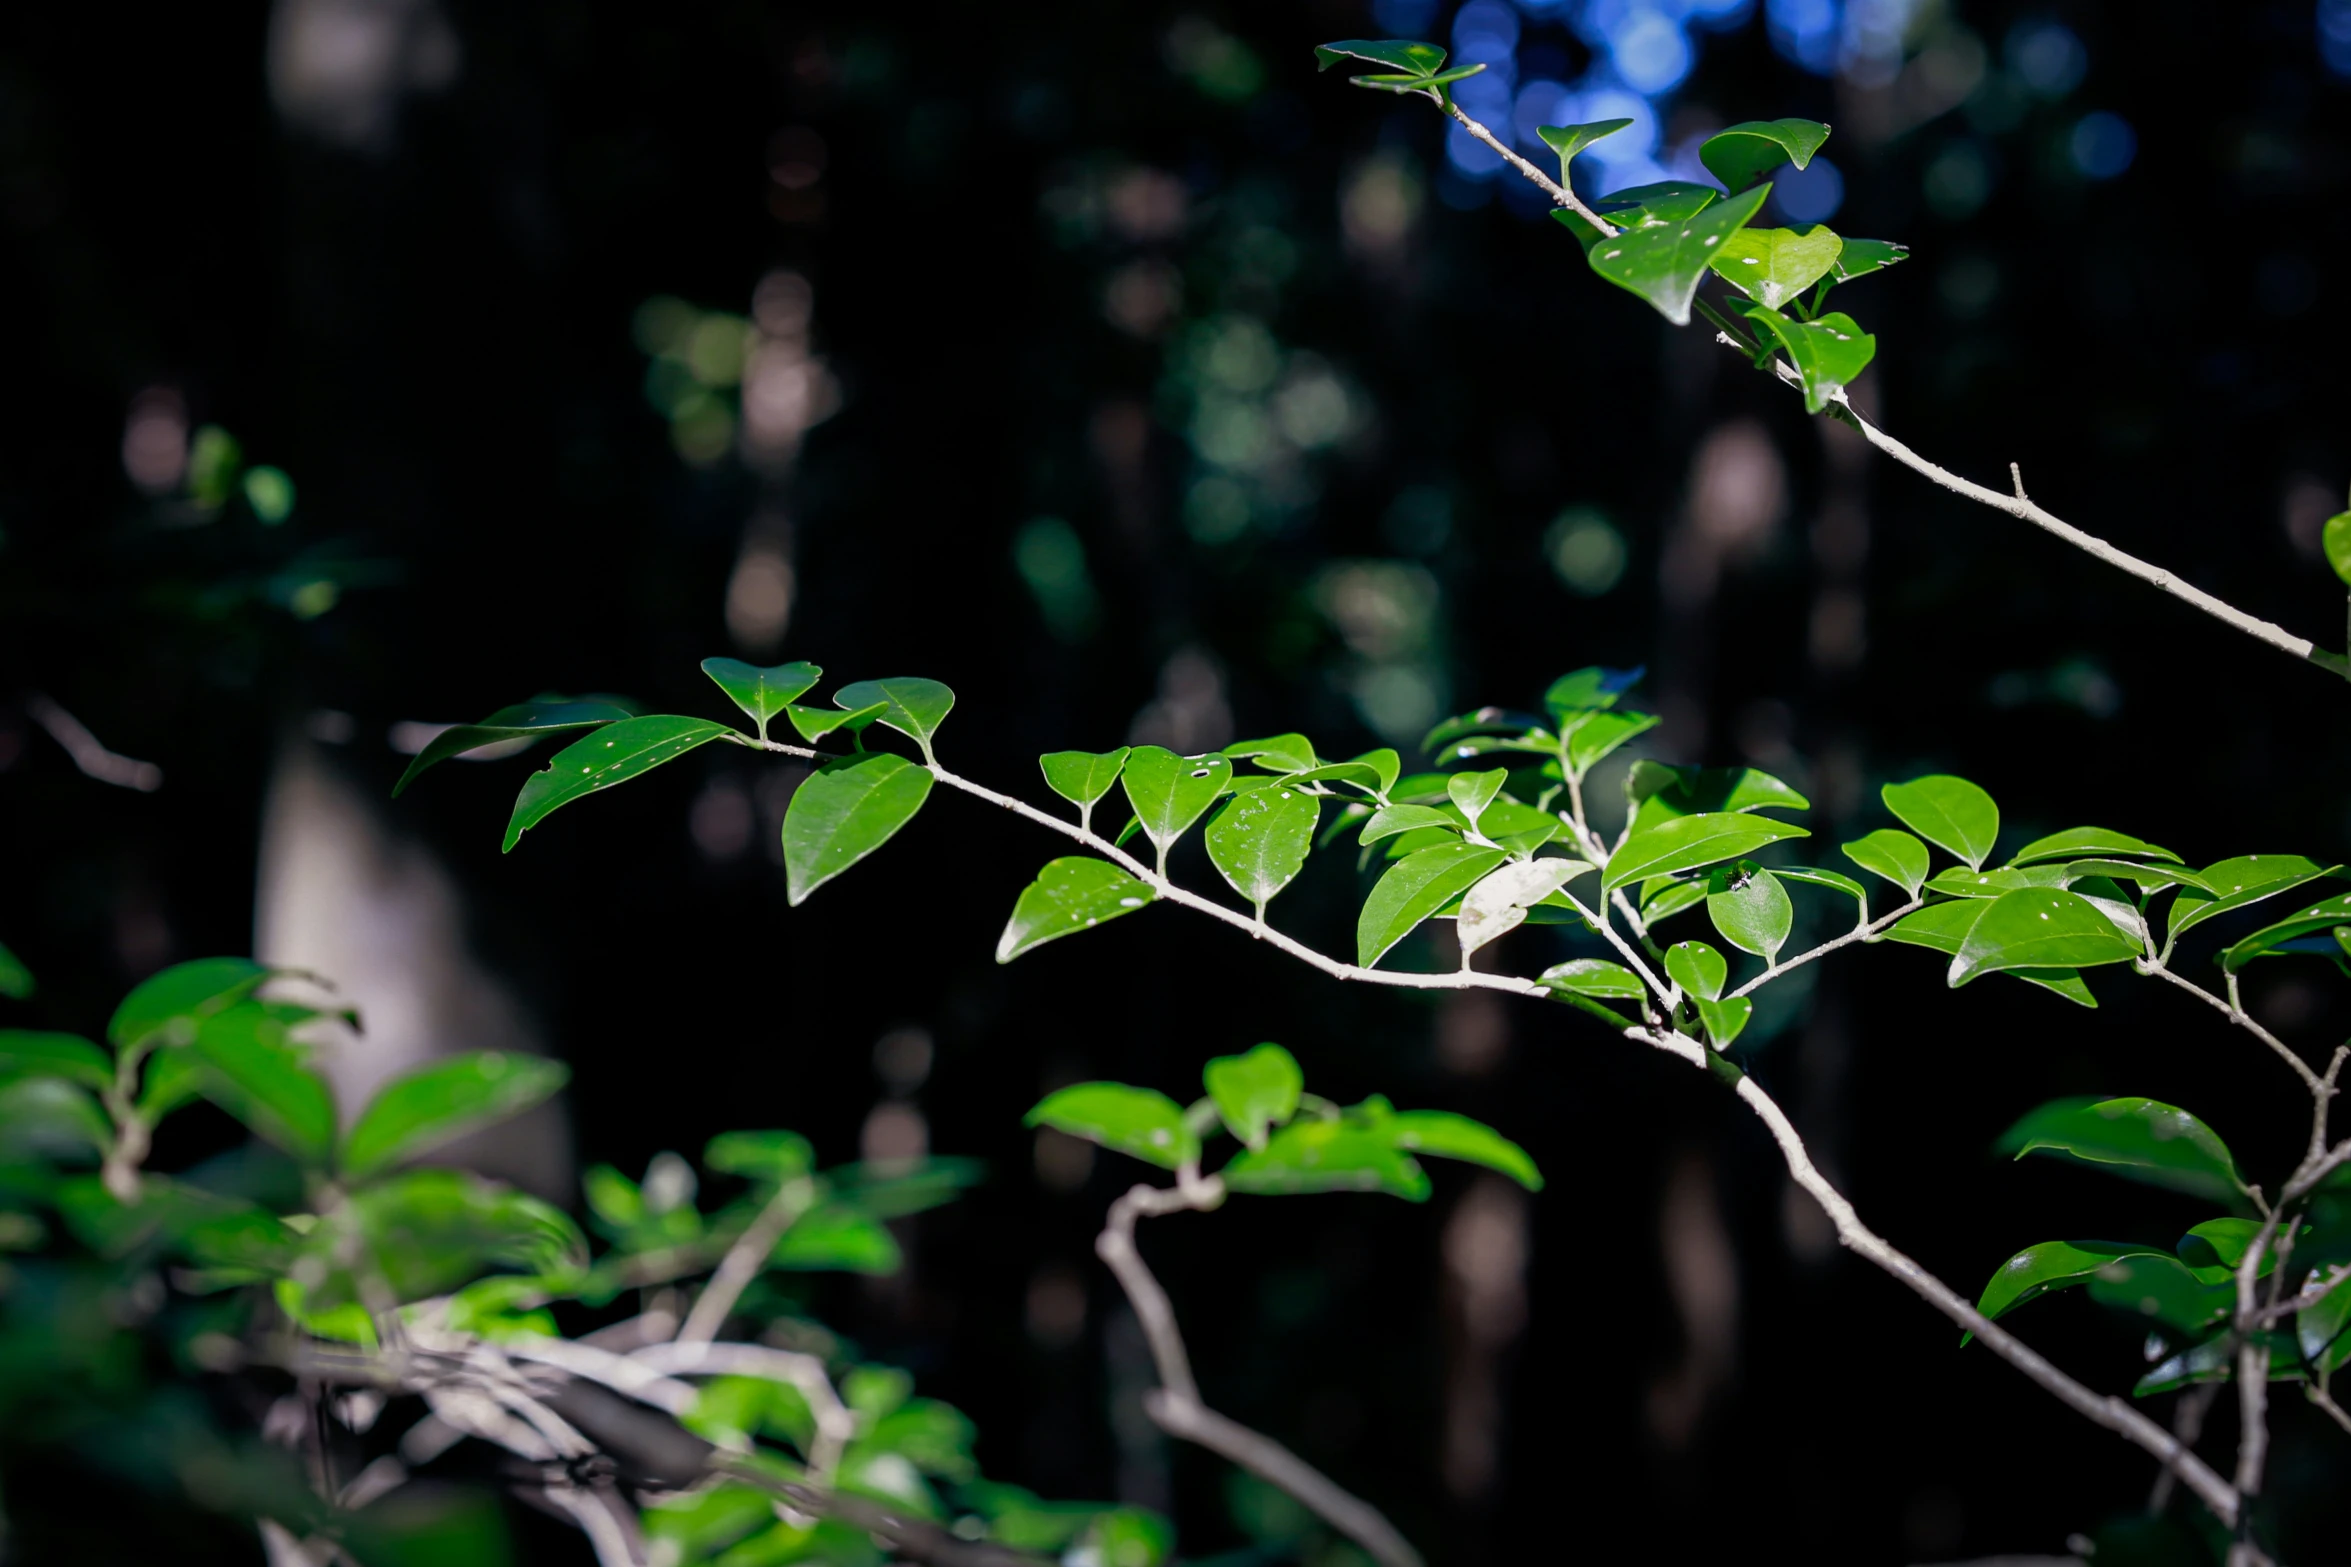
[1551,187]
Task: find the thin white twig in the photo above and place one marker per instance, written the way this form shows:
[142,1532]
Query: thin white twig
[1857,933]
[1551,187]
[88,752]
[836,1424]
[743,1260]
[2243,1019]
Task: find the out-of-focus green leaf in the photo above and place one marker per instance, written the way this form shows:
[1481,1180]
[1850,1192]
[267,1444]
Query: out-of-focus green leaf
[2083,842]
[2135,1138]
[1171,792]
[16,981]
[2156,1287]
[1774,266]
[425,1232]
[1697,968]
[1414,888]
[1948,812]
[1751,149]
[1828,353]
[1260,842]
[2039,927]
[837,1238]
[1751,909]
[1343,1155]
[1893,854]
[911,705]
[2215,1360]
[1141,1122]
[1082,777]
[1255,1090]
[1451,1136]
[761,693]
[2324,915]
[1070,894]
[25,1053]
[2239,883]
[2213,1249]
[447,1099]
[844,811]
[44,1118]
[253,1072]
[523,721]
[1689,842]
[2322,1329]
[614,754]
[1663,262]
[184,995]
[773,1156]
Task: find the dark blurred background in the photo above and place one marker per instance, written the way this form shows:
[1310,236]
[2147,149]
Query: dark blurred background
[373,363]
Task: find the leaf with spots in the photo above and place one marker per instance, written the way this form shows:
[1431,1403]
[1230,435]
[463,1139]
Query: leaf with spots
[1070,894]
[1828,354]
[1259,843]
[1171,792]
[1664,261]
[1141,1122]
[2039,927]
[1774,266]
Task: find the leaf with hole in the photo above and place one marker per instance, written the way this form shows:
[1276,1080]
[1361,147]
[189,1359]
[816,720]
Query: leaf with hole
[844,811]
[913,706]
[1141,1122]
[1171,792]
[1828,354]
[1451,1136]
[1664,262]
[2039,927]
[1498,904]
[1254,1091]
[2321,916]
[2138,1139]
[1751,909]
[523,721]
[2239,883]
[761,693]
[1697,968]
[1948,812]
[1259,843]
[1568,140]
[1689,842]
[1893,854]
[26,1053]
[445,1100]
[1414,888]
[1070,894]
[614,754]
[1753,148]
[1083,777]
[1774,266]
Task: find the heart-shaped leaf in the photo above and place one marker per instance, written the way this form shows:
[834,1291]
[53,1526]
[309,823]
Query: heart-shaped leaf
[1688,842]
[1568,140]
[1697,968]
[1083,777]
[1949,812]
[1070,894]
[1753,148]
[1663,262]
[1751,910]
[1141,1122]
[445,1100]
[1171,792]
[1416,887]
[761,693]
[1254,1091]
[1893,854]
[1260,842]
[2039,927]
[1829,354]
[2077,842]
[844,811]
[1725,1021]
[1773,266]
[911,705]
[2135,1138]
[523,721]
[614,754]
[2239,883]
[1471,793]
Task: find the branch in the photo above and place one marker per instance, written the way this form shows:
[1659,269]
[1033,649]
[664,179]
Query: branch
[1175,1407]
[1862,932]
[2243,1019]
[1552,188]
[743,1261]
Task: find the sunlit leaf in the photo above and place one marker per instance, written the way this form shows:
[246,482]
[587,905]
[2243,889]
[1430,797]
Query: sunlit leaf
[773,1156]
[1753,148]
[1471,793]
[1893,854]
[1725,1020]
[1689,842]
[1648,206]
[1083,777]
[835,1237]
[2051,1265]
[1664,262]
[1389,820]
[1697,968]
[1944,927]
[1568,140]
[1070,894]
[2039,927]
[1396,54]
[2135,1138]
[1451,1136]
[1751,910]
[1948,812]
[1595,977]
[2149,876]
[1828,353]
[1139,1121]
[1343,1155]
[1860,257]
[176,1001]
[1276,753]
[1957,881]
[1602,733]
[614,754]
[1260,842]
[24,1053]
[814,723]
[2240,883]
[1497,905]
[444,1100]
[2320,916]
[523,721]
[2334,538]
[1773,266]
[1254,1090]
[761,693]
[911,705]
[1416,887]
[1171,792]
[844,811]
[2083,842]
[1835,881]
[1661,792]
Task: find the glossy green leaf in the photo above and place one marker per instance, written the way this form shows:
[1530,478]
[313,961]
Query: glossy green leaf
[2239,883]
[1254,1091]
[761,693]
[1835,881]
[1358,775]
[1949,812]
[2215,1360]
[1957,881]
[1389,820]
[1259,843]
[1661,792]
[25,1053]
[183,995]
[814,723]
[1383,764]
[1451,1136]
[1773,266]
[1415,888]
[1568,140]
[1725,1020]
[2334,539]
[1276,753]
[1070,894]
[1139,1121]
[2213,1249]
[1342,1155]
[2156,1287]
[2135,1138]
[1697,968]
[1664,262]
[1498,904]
[1595,977]
[614,754]
[1751,149]
[1665,898]
[2321,916]
[1751,910]
[2052,1265]
[1944,927]
[1083,777]
[1828,353]
[1602,733]
[911,705]
[844,811]
[445,1100]
[2082,842]
[2039,927]
[1688,842]
[2151,877]
[1893,854]
[2322,1329]
[1860,257]
[522,721]
[1396,54]
[16,981]
[1171,792]
[1649,206]
[254,1073]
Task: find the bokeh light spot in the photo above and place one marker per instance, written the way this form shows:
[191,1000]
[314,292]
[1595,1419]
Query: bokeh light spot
[2103,145]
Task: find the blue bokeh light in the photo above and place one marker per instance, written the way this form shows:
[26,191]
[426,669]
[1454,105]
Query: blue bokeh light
[2334,35]
[1805,31]
[2103,145]
[1650,53]
[2047,57]
[1811,194]
[1404,18]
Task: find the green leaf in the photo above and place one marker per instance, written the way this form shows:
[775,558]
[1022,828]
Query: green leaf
[1944,927]
[1751,910]
[1276,753]
[2150,877]
[762,693]
[1383,764]
[1835,881]
[1595,977]
[1663,262]
[1957,881]
[2322,1330]
[1451,1136]
[1070,894]
[2335,539]
[1828,354]
[1949,812]
[771,1156]
[1259,843]
[1414,888]
[2324,915]
[2135,1138]
[1650,206]
[2079,842]
[1568,140]
[183,995]
[1725,1020]
[1498,904]
[2213,1249]
[1254,1091]
[911,705]
[1138,1121]
[1893,854]
[47,1117]
[1389,820]
[2052,1265]
[1860,257]
[1396,54]
[1665,898]
[1082,777]
[1471,793]
[615,754]
[1662,792]
[2156,1287]
[254,1073]
[814,723]
[2240,883]
[1753,148]
[2039,927]
[1773,266]
[1697,968]
[1688,842]
[425,1232]
[1343,1155]
[24,1053]
[833,1238]
[522,721]
[844,811]
[16,981]
[1171,792]
[1600,735]
[447,1099]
